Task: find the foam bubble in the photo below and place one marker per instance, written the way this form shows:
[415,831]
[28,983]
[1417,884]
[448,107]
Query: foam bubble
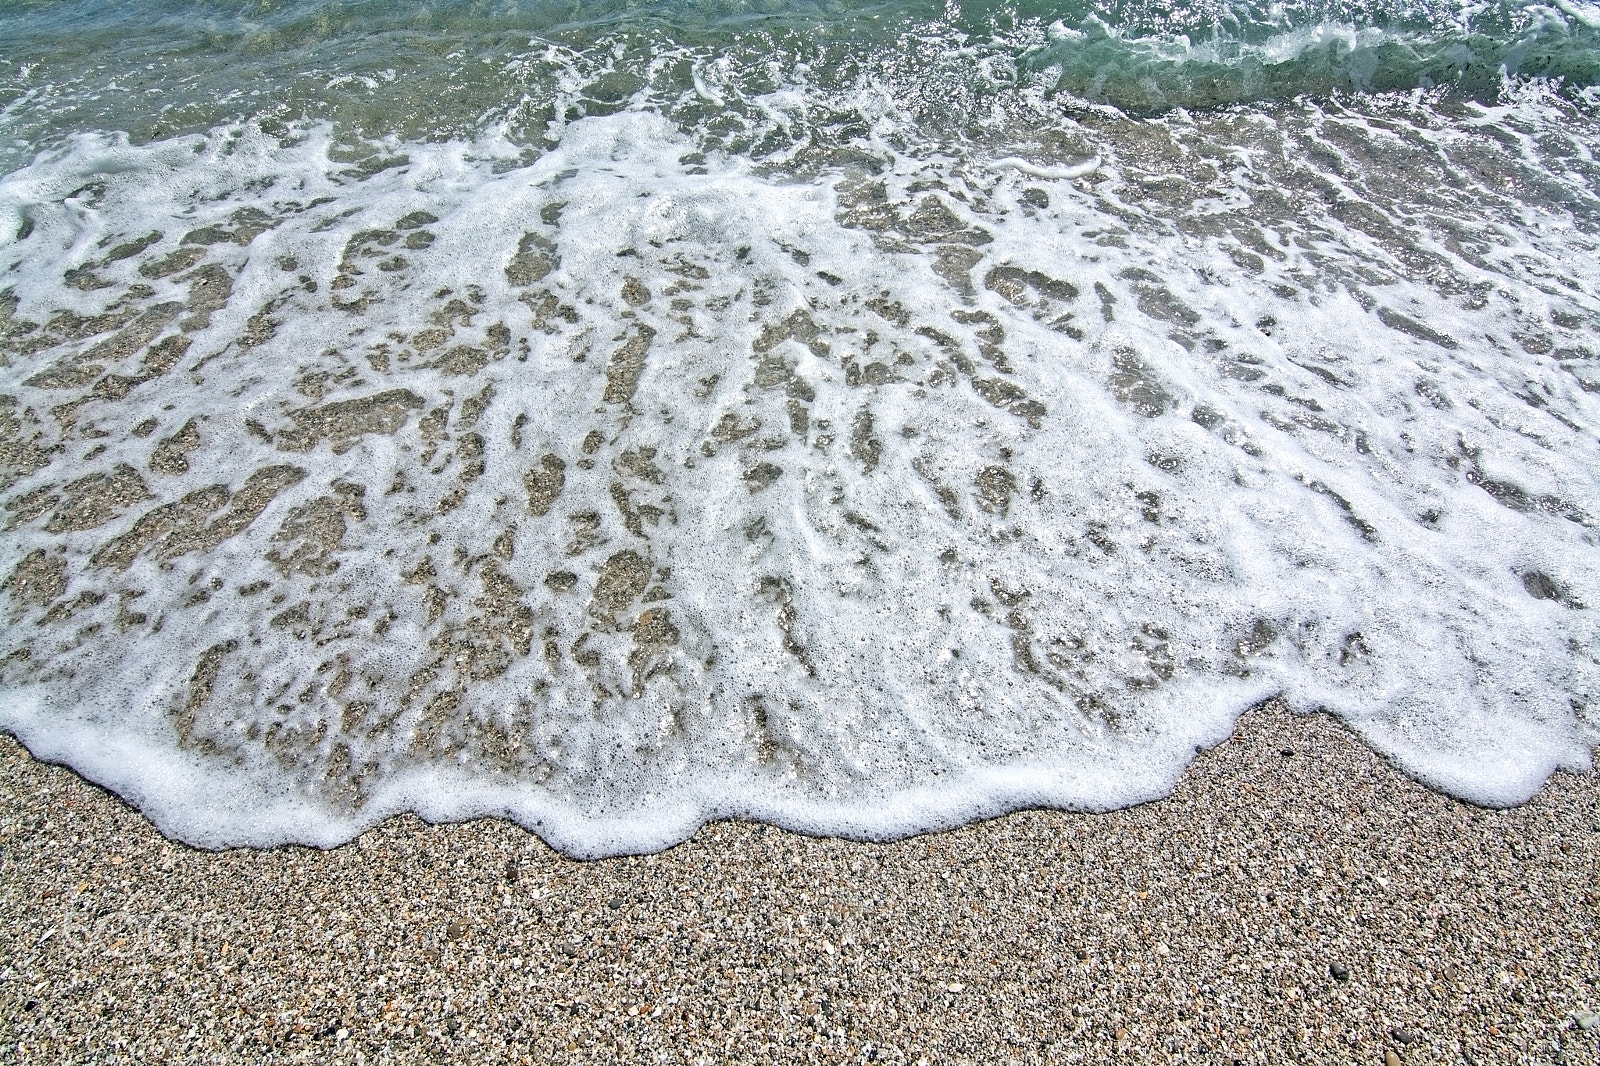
[637,482]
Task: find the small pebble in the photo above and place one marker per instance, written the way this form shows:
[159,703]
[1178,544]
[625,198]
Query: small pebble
[1405,1036]
[726,909]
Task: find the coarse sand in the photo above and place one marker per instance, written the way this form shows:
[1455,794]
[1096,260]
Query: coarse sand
[1296,899]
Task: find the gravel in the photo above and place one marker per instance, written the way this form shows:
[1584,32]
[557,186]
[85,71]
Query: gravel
[1295,900]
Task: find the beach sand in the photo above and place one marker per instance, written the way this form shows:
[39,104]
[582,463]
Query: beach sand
[1295,900]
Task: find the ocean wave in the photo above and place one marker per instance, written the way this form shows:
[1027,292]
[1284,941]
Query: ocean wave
[456,70]
[797,460]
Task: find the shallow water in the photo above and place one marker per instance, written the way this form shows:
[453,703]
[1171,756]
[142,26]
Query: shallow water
[863,419]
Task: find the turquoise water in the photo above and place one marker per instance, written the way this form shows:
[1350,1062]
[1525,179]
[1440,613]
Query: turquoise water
[415,70]
[864,418]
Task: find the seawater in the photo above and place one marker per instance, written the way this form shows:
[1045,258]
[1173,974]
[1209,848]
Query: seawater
[859,417]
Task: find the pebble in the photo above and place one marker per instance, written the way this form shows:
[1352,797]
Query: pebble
[1022,914]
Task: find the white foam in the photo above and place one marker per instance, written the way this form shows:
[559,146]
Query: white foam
[1304,469]
[1082,170]
[1588,14]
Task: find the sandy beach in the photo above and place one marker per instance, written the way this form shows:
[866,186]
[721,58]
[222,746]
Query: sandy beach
[858,414]
[1295,900]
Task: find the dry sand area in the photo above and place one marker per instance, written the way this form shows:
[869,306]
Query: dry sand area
[1295,900]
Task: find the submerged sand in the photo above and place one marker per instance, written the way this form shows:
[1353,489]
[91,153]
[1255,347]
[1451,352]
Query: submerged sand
[1295,900]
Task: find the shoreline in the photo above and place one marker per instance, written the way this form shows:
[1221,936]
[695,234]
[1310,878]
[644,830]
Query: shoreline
[1296,898]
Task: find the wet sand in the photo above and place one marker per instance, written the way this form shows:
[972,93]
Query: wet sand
[1295,900]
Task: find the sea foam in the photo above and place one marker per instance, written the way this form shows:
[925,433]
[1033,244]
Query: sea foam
[629,482]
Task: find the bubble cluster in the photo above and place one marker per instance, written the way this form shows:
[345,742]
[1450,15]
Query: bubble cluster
[631,483]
